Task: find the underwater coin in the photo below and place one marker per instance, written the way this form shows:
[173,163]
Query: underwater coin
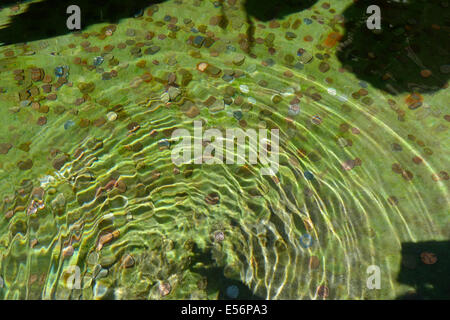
[445,68]
[68,251]
[306,240]
[308,175]
[202,66]
[60,71]
[294,109]
[244,88]
[219,236]
[68,124]
[251,100]
[428,257]
[111,116]
[98,60]
[232,291]
[164,288]
[237,115]
[323,291]
[332,91]
[314,262]
[99,290]
[316,120]
[128,261]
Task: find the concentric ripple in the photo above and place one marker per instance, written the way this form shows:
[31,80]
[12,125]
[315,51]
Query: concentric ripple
[105,213]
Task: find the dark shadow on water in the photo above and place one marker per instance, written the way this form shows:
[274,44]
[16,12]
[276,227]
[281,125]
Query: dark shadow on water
[8,3]
[414,37]
[47,19]
[216,281]
[430,281]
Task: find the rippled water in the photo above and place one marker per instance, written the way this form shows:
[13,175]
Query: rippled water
[90,194]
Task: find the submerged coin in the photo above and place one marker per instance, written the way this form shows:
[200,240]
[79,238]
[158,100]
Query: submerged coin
[428,258]
[232,291]
[306,241]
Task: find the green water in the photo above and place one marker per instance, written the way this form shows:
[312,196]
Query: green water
[88,186]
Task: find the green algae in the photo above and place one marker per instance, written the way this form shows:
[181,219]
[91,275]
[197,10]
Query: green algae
[165,217]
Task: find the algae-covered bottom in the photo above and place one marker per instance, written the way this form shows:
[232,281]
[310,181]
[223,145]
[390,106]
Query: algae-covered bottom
[93,205]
